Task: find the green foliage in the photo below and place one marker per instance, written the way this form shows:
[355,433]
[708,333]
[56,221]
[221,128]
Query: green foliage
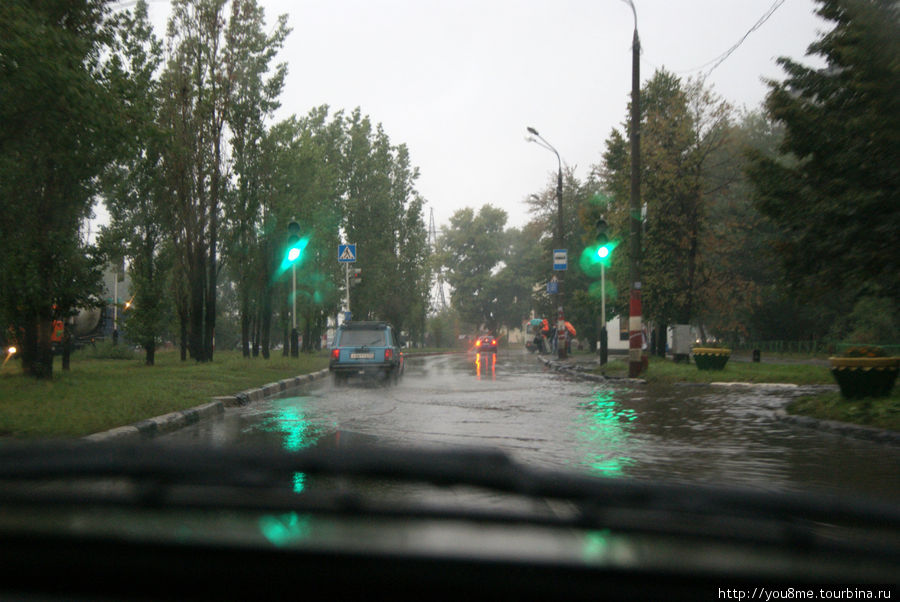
[683,128]
[132,186]
[383,216]
[879,412]
[664,371]
[442,329]
[583,205]
[832,190]
[101,394]
[873,320]
[107,351]
[63,120]
[471,249]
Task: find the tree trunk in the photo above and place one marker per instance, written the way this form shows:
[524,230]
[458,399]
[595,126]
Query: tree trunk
[183,336]
[245,325]
[198,295]
[37,354]
[307,335]
[266,323]
[661,335]
[150,349]
[256,334]
[210,323]
[67,348]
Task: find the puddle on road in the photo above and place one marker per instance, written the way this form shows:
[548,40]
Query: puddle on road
[715,435]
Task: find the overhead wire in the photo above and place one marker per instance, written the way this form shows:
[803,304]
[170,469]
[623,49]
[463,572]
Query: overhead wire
[718,60]
[724,56]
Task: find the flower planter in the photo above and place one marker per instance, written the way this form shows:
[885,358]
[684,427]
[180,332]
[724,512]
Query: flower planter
[860,377]
[710,358]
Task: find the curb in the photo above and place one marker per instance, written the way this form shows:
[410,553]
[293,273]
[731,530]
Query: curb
[581,373]
[846,429]
[167,423]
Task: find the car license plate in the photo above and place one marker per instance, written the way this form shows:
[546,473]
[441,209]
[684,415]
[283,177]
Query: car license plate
[362,356]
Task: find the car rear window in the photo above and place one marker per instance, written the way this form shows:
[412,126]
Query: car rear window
[358,338]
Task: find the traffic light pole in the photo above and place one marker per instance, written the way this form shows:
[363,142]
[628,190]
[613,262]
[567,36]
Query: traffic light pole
[604,343]
[295,336]
[347,282]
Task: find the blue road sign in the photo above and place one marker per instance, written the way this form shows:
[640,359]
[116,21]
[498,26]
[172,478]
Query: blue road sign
[346,253]
[559,259]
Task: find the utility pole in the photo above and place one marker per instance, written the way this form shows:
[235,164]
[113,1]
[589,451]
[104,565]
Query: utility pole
[432,241]
[635,337]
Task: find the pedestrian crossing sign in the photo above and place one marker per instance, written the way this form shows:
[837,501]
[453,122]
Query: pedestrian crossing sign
[346,253]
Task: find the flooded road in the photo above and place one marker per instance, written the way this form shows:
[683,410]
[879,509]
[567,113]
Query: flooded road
[709,434]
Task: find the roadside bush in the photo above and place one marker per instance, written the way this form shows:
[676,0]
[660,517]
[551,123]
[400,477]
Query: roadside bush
[873,320]
[107,351]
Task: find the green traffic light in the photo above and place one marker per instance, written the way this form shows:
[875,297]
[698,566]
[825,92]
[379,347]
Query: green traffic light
[603,251]
[294,252]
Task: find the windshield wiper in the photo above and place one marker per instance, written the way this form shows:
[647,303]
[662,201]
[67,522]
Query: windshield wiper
[256,479]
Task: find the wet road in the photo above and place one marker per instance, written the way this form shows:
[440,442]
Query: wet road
[710,434]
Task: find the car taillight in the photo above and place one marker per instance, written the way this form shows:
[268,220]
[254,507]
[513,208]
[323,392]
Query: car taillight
[493,341]
[478,343]
[335,354]
[388,354]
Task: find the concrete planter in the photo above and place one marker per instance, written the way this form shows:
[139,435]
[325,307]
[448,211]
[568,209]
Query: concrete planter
[710,358]
[860,377]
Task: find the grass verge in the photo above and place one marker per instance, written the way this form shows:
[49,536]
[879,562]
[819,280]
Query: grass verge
[99,394]
[667,372]
[828,405]
[882,412]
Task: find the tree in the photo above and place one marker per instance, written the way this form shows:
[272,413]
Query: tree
[133,194]
[302,184]
[581,302]
[255,96]
[213,81]
[683,127]
[382,215]
[62,123]
[472,247]
[513,284]
[832,190]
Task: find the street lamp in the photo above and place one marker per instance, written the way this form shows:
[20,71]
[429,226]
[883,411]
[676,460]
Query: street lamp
[559,242]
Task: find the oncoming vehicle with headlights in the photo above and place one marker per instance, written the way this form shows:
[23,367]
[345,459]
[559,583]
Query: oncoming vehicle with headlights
[370,350]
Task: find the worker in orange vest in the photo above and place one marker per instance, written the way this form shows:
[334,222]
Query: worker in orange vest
[571,335]
[546,336]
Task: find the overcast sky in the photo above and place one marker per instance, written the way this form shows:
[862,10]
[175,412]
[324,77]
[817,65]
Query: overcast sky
[459,81]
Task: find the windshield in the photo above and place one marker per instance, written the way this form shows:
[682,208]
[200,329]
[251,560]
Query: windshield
[677,221]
